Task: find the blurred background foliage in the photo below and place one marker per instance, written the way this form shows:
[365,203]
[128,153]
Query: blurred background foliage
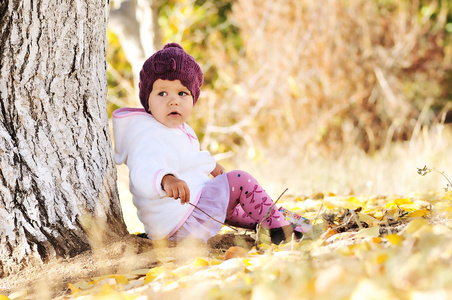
[284,77]
[120,75]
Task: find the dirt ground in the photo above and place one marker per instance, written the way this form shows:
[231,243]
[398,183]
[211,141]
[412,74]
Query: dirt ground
[130,253]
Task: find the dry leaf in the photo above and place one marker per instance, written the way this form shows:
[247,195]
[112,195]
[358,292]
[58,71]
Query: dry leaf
[372,232]
[234,252]
[200,262]
[415,225]
[70,286]
[394,239]
[153,273]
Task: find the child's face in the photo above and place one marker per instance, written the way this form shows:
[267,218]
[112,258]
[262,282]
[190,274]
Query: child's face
[170,102]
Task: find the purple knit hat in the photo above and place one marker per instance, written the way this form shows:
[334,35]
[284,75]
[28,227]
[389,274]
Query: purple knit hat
[170,63]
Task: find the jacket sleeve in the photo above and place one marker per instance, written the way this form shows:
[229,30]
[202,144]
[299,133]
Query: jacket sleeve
[149,161]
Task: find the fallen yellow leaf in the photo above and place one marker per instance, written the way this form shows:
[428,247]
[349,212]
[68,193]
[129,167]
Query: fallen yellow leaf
[139,272]
[264,246]
[410,207]
[82,284]
[367,219]
[215,262]
[356,202]
[420,213]
[200,262]
[394,239]
[331,206]
[247,262]
[372,231]
[376,240]
[403,201]
[398,203]
[119,278]
[415,225]
[153,273]
[70,286]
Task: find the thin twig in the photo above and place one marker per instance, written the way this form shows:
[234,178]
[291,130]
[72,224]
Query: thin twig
[258,226]
[343,225]
[314,222]
[442,173]
[213,217]
[425,170]
[271,207]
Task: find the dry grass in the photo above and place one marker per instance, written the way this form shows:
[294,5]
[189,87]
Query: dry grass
[387,172]
[326,74]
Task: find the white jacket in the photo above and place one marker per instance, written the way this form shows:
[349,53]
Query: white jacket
[151,150]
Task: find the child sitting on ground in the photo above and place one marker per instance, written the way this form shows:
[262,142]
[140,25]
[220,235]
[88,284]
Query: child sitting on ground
[165,162]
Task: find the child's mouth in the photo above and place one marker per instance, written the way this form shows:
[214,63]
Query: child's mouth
[174,113]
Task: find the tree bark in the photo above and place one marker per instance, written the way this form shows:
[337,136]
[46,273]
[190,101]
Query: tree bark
[58,194]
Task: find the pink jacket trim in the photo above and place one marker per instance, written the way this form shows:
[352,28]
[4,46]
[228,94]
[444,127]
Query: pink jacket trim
[129,111]
[191,137]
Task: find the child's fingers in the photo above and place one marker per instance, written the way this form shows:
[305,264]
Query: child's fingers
[181,195]
[173,193]
[169,193]
[177,189]
[187,194]
[184,195]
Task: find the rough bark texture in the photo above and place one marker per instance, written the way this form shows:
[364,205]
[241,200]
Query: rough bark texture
[58,194]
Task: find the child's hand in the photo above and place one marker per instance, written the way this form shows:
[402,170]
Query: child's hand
[176,188]
[218,170]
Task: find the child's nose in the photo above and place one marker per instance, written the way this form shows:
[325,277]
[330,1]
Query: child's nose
[174,100]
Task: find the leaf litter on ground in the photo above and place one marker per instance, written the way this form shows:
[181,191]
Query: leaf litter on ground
[359,248]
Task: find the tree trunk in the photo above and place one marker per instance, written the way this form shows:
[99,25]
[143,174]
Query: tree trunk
[58,194]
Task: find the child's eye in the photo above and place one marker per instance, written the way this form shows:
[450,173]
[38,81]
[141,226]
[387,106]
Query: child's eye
[183,94]
[162,94]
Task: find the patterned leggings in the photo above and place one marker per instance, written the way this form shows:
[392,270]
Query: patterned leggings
[249,203]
